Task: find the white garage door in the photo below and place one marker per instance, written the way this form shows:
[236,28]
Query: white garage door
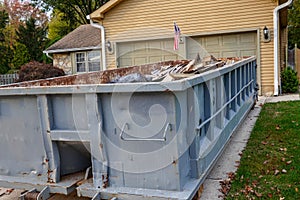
[220,46]
[138,53]
[225,45]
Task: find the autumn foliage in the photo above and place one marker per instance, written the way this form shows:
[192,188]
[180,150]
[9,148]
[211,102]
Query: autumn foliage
[35,70]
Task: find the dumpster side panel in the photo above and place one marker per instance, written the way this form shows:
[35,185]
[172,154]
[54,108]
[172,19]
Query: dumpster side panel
[22,147]
[141,157]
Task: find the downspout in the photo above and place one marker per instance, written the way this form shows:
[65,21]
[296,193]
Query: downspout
[102,41]
[47,54]
[276,43]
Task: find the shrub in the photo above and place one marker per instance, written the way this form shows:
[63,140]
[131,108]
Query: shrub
[35,70]
[289,81]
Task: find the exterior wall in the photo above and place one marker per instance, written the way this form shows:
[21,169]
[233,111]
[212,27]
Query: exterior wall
[152,19]
[63,61]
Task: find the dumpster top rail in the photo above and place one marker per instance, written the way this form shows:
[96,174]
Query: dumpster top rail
[103,81]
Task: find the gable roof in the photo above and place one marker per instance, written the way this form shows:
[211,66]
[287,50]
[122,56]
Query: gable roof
[85,37]
[99,13]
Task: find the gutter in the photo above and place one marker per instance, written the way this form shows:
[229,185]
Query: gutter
[276,43]
[102,41]
[47,54]
[71,50]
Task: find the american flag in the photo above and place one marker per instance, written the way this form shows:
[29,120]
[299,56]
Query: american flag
[176,36]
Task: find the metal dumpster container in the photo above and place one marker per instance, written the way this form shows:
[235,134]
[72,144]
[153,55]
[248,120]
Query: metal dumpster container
[143,140]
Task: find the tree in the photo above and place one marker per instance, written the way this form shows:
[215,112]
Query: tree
[73,12]
[33,37]
[3,23]
[294,24]
[21,56]
[20,11]
[5,51]
[57,26]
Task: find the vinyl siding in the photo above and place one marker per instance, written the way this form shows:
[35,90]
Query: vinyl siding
[151,19]
[193,16]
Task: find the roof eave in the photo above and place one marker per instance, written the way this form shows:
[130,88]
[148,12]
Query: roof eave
[99,13]
[72,49]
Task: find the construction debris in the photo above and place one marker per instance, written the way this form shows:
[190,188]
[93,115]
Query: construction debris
[179,71]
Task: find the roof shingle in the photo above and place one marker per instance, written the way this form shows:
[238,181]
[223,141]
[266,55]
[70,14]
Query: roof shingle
[85,36]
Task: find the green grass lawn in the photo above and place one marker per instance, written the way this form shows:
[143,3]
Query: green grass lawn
[270,164]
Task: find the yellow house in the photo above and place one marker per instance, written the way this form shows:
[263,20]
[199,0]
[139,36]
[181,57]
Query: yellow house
[141,31]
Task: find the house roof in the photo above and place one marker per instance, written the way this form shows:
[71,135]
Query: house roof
[84,37]
[99,14]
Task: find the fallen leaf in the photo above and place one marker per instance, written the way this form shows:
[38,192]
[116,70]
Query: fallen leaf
[289,162]
[249,188]
[282,159]
[257,194]
[283,149]
[284,171]
[272,188]
[296,189]
[281,198]
[254,183]
[266,162]
[264,142]
[277,127]
[270,195]
[276,172]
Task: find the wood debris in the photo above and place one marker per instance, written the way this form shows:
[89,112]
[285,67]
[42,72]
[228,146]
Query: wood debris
[179,71]
[195,66]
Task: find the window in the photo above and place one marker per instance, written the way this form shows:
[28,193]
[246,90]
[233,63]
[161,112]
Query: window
[88,61]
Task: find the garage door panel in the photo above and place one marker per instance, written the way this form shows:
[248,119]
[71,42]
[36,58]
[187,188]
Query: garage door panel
[138,53]
[248,53]
[227,54]
[154,59]
[139,45]
[168,45]
[140,60]
[155,45]
[143,52]
[170,57]
[125,61]
[125,49]
[225,45]
[248,38]
[212,41]
[230,40]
